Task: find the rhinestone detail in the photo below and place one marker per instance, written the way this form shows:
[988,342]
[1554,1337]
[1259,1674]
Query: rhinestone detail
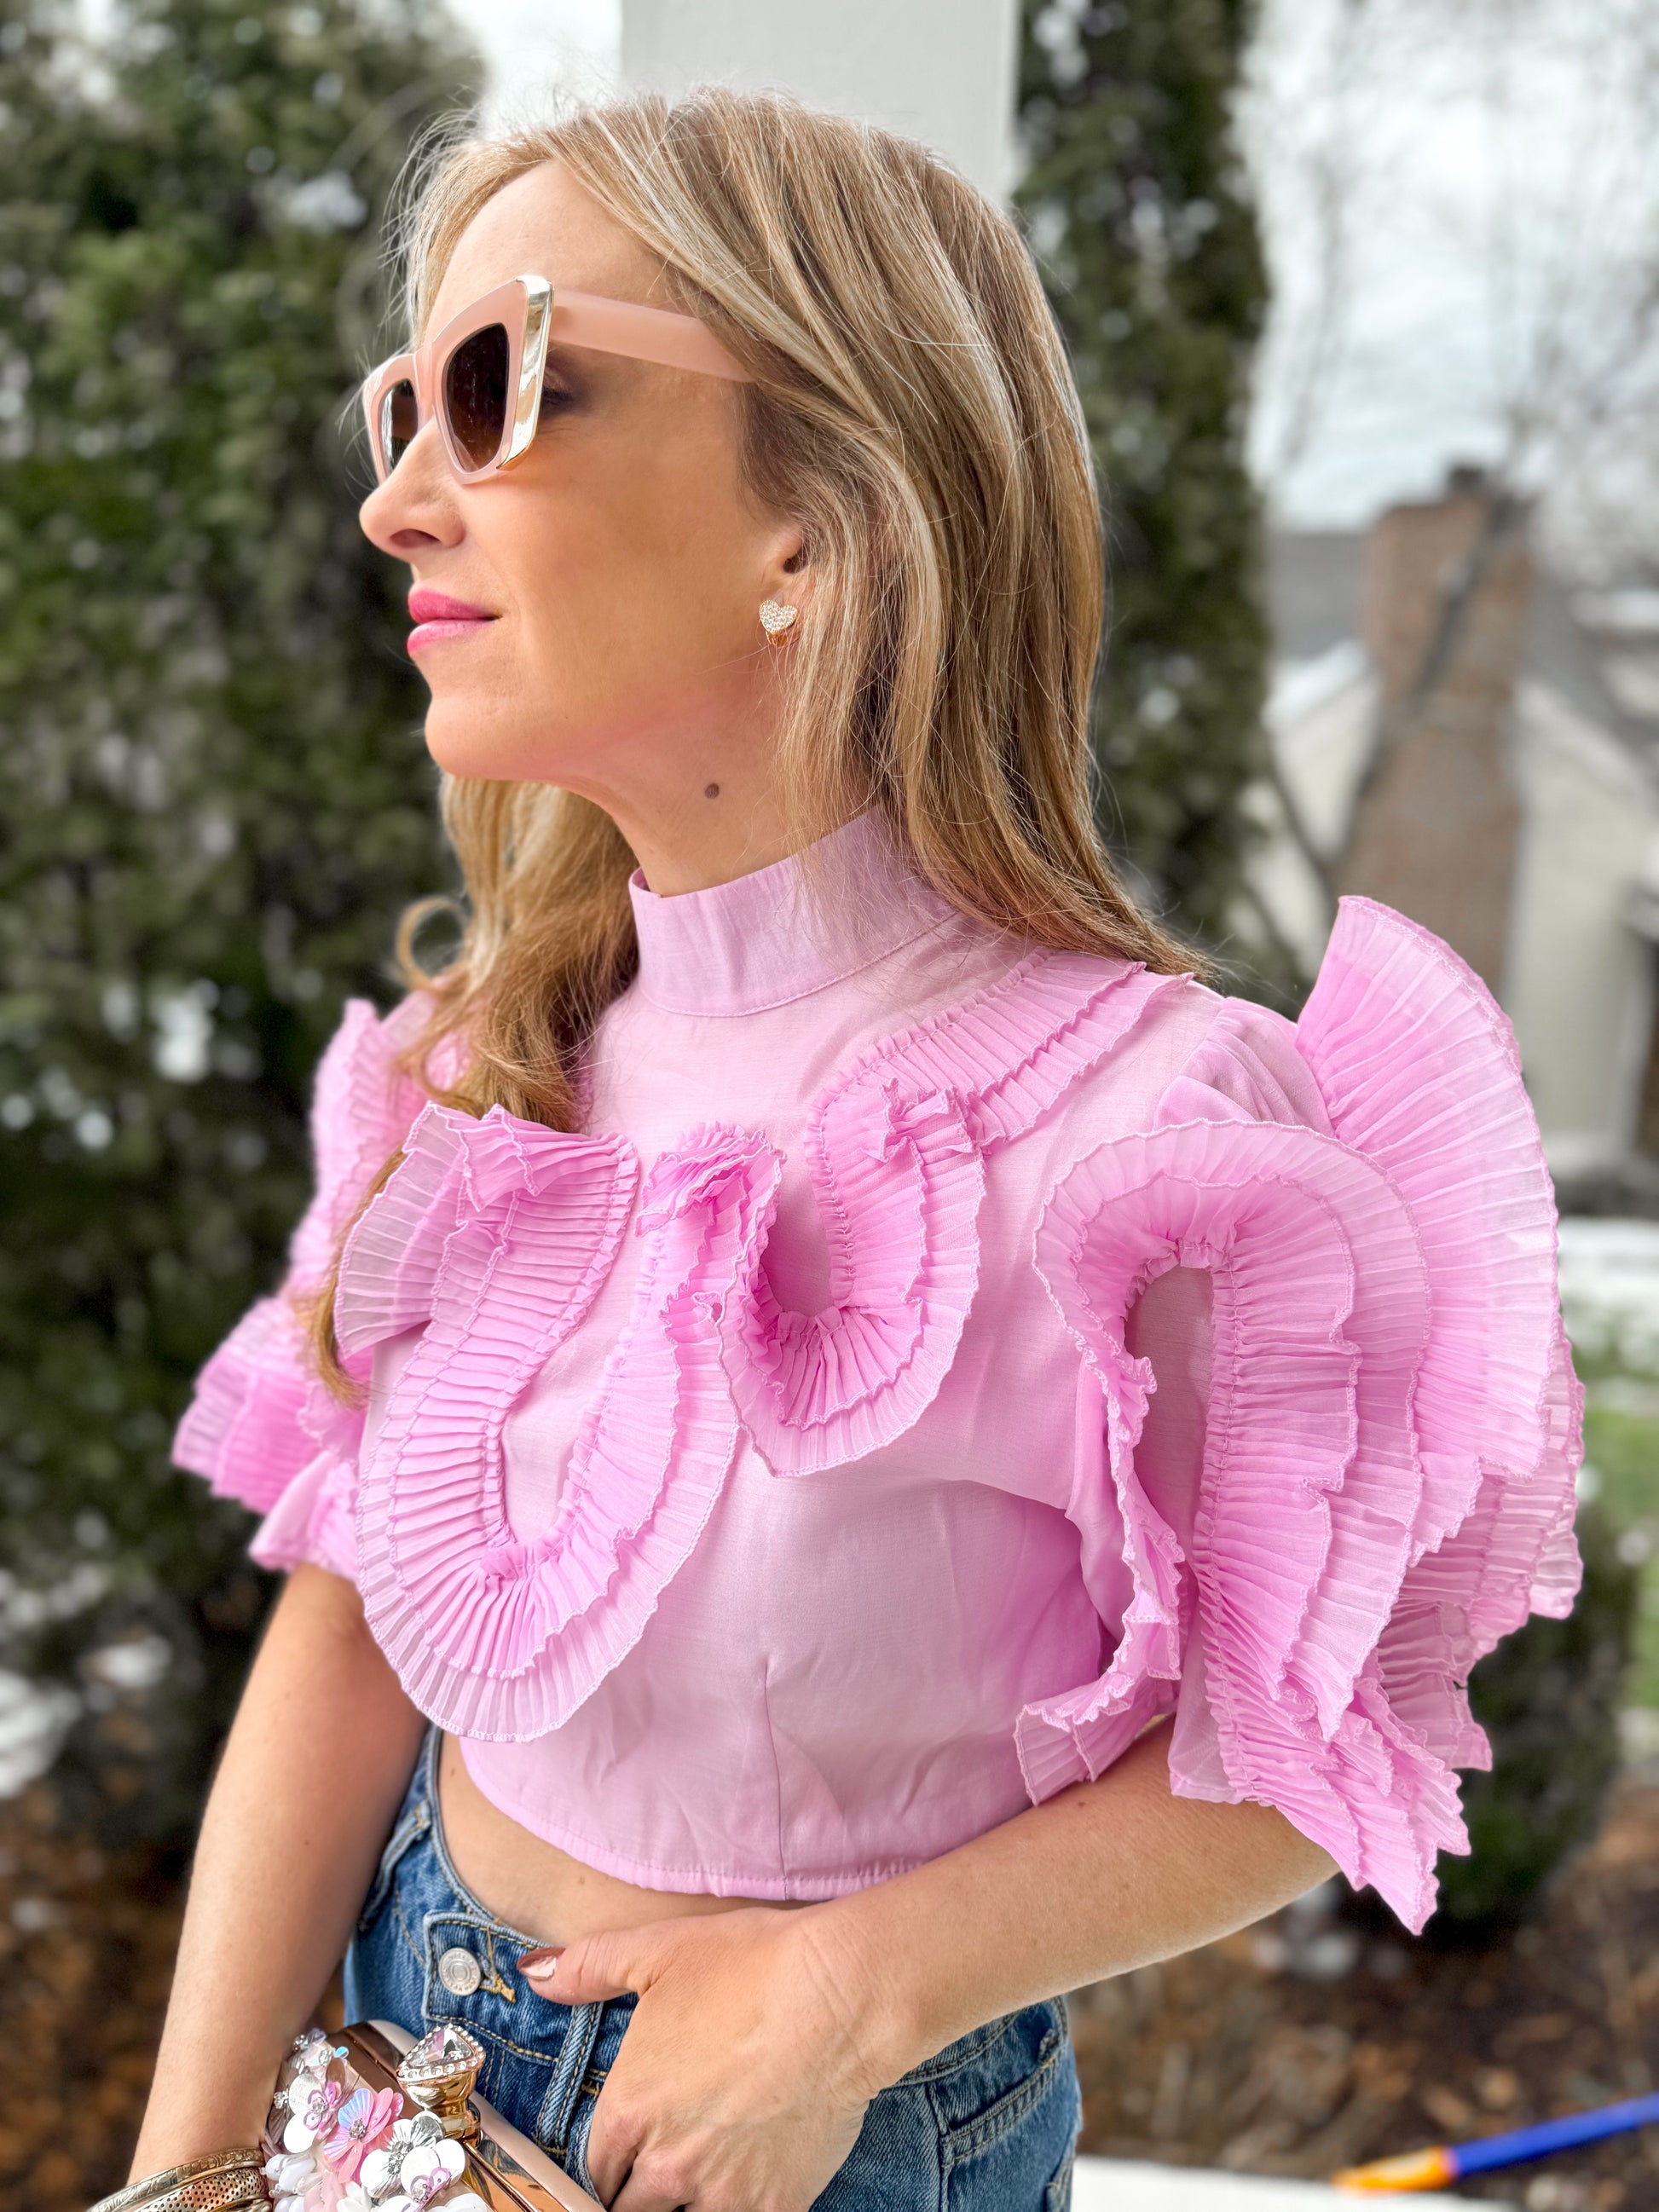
[446,2050]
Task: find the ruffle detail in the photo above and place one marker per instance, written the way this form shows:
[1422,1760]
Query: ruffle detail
[258,1412]
[1075,1737]
[903,1181]
[361,1105]
[1393,1423]
[1420,1069]
[312,1522]
[500,1233]
[1303,1529]
[896,1149]
[455,1166]
[244,1426]
[510,1230]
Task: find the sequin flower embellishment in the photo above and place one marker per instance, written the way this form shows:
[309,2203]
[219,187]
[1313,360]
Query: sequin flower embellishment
[419,2163]
[313,2107]
[363,2122]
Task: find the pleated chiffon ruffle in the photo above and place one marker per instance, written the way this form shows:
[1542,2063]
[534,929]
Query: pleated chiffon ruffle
[259,1414]
[495,1235]
[1392,1426]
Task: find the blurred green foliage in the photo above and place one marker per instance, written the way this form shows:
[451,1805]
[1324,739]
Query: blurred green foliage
[1548,1699]
[215,795]
[1622,1444]
[1136,206]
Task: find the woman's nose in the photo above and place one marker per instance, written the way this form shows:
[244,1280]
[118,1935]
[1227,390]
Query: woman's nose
[415,505]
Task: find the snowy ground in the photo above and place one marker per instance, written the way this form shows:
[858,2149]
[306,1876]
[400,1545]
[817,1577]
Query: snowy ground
[33,1720]
[1111,2185]
[1610,1290]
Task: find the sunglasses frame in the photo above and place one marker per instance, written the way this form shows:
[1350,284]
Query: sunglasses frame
[534,317]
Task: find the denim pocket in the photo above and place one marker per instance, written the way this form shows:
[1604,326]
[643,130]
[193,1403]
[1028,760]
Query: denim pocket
[1008,2118]
[991,2091]
[575,2157]
[413,1822]
[1057,2197]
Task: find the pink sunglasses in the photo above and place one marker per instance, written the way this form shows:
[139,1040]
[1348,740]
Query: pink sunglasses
[481,374]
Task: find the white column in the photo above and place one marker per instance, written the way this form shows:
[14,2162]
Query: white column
[940,70]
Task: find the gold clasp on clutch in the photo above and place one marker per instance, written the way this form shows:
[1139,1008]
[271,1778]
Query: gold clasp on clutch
[438,2073]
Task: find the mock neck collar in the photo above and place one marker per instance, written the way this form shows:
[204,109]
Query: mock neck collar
[785,931]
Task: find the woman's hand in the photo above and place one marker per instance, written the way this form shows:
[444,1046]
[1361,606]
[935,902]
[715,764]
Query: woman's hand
[760,2036]
[742,2082]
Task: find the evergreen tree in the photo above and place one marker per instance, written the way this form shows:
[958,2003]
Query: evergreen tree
[1134,203]
[215,795]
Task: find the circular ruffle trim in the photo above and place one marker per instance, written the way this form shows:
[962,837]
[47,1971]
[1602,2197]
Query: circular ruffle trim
[493,1236]
[259,1414]
[1392,1425]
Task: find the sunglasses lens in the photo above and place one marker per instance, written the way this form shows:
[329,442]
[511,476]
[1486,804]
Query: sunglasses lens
[475,393]
[397,424]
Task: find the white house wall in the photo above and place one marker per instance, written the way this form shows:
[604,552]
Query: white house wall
[1579,982]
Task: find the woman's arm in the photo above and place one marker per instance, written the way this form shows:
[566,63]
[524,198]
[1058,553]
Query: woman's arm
[322,1745]
[760,2036]
[1107,1876]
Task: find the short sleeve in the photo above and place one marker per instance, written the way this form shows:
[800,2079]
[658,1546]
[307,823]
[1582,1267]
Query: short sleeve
[314,1520]
[259,1426]
[1332,1255]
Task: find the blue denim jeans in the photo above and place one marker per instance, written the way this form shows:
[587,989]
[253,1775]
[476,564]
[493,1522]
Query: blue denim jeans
[987,2125]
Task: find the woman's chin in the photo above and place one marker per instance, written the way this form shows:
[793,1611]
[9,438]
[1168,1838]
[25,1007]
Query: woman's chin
[461,747]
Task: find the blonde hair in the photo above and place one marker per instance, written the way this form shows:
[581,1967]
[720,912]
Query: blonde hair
[912,410]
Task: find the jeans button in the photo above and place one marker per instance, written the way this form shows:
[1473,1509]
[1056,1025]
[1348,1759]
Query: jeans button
[459,1972]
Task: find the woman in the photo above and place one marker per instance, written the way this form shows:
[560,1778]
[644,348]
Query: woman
[870,1451]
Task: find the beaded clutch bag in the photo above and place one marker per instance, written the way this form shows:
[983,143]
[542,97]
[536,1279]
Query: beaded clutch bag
[370,2120]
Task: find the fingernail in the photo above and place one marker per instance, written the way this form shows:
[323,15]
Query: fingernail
[541,1962]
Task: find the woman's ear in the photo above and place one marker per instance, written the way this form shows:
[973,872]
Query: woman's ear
[789,565]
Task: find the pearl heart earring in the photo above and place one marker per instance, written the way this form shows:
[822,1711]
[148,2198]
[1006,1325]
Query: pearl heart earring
[775,619]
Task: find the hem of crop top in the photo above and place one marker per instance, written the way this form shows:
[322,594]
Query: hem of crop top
[797,1888]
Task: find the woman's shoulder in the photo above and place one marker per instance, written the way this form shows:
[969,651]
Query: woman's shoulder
[1076,1047]
[1227,1055]
[1395,1029]
[1389,1125]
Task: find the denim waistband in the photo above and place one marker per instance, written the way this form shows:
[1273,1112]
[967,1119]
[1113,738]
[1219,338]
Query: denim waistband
[986,2125]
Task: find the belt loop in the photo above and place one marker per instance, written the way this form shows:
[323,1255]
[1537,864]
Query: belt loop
[559,2106]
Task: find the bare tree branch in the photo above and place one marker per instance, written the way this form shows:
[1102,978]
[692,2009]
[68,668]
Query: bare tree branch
[1296,829]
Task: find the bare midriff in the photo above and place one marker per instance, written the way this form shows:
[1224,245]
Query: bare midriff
[535,1886]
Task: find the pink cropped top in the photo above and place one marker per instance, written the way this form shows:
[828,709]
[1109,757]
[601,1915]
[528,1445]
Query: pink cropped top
[934,1360]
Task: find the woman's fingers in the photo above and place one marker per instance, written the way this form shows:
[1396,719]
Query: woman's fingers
[614,2140]
[728,2092]
[595,1967]
[653,2186]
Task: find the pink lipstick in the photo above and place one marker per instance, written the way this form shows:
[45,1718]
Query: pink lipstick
[438,617]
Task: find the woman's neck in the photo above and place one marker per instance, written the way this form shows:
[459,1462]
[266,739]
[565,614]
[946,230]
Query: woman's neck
[717,840]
